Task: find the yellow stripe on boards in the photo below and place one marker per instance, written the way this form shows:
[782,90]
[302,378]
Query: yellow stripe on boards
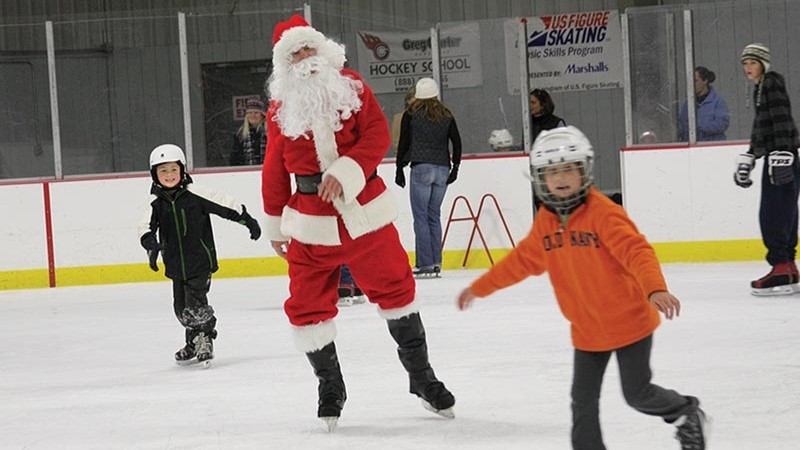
[24,279]
[710,251]
[668,252]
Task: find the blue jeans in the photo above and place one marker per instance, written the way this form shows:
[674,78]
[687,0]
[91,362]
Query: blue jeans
[428,186]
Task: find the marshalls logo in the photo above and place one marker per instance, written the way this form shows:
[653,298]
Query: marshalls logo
[379,48]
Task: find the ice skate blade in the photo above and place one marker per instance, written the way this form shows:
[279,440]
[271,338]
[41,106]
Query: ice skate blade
[352,300]
[786,289]
[427,276]
[330,423]
[195,363]
[446,413]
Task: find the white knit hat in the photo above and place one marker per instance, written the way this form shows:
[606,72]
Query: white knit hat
[757,52]
[426,88]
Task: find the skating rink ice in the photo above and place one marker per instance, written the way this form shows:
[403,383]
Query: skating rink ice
[92,368]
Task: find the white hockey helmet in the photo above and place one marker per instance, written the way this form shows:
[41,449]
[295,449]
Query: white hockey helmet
[556,147]
[165,153]
[500,139]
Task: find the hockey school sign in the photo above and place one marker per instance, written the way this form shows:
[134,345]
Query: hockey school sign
[567,52]
[393,62]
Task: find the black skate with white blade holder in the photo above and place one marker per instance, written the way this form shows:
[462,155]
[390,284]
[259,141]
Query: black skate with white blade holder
[350,294]
[422,273]
[200,351]
[781,280]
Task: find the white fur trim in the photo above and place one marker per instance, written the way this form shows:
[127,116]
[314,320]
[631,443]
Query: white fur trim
[311,338]
[308,229]
[362,219]
[325,145]
[350,175]
[294,39]
[272,229]
[399,313]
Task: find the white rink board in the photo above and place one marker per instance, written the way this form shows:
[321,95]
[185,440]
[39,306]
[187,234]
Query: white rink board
[22,233]
[95,221]
[688,194]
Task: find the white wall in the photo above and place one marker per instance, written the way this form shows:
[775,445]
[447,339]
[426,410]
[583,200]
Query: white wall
[688,194]
[95,220]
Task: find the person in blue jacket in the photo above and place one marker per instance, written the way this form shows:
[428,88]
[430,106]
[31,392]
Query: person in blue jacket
[711,112]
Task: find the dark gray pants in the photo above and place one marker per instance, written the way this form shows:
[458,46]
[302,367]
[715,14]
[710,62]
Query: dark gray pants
[190,303]
[640,393]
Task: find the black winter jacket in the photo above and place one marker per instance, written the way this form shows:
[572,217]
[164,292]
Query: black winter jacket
[183,223]
[773,125]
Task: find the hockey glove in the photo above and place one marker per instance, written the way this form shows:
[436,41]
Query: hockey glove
[744,165]
[400,177]
[251,224]
[153,247]
[781,167]
[453,175]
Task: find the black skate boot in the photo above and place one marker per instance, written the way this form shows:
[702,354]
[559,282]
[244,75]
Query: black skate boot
[185,355]
[412,349]
[332,393]
[781,280]
[692,427]
[427,272]
[350,294]
[204,348]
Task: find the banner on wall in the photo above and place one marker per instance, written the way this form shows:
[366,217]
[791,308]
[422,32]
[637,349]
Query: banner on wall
[568,52]
[394,61]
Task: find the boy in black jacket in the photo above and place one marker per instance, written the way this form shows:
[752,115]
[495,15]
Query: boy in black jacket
[180,213]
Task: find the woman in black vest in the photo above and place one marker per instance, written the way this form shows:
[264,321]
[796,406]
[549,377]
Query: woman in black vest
[425,129]
[542,117]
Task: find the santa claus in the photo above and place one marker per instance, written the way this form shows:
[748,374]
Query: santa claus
[326,129]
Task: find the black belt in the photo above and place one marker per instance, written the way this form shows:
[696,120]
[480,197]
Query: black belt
[308,184]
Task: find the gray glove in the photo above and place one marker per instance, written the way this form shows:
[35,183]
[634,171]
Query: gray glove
[744,165]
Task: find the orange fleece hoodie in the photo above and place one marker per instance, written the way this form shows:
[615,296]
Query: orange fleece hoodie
[602,269]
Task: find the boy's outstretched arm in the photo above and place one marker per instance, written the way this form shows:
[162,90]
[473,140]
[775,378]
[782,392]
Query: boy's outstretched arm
[667,303]
[465,299]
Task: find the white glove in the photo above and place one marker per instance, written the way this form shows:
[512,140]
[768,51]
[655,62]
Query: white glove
[744,165]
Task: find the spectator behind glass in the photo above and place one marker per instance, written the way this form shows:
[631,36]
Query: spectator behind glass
[542,117]
[397,119]
[711,110]
[249,140]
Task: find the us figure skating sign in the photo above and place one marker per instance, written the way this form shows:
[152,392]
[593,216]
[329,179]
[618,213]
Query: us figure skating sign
[394,61]
[567,52]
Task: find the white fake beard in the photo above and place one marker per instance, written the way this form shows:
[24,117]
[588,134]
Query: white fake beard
[311,93]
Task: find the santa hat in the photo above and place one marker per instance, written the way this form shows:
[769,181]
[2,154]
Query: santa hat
[757,52]
[293,34]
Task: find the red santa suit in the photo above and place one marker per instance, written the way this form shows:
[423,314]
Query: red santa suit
[356,229]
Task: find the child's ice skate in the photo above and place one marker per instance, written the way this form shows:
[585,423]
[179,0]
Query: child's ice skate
[693,427]
[781,280]
[350,294]
[186,355]
[204,349]
[427,272]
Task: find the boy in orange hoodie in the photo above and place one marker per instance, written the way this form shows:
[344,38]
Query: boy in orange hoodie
[608,283]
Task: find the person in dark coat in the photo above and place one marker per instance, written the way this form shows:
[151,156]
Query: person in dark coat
[180,214]
[775,138]
[249,141]
[542,117]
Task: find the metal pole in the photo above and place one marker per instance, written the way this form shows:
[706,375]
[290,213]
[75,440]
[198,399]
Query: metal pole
[187,107]
[436,59]
[524,84]
[688,39]
[51,72]
[307,13]
[627,88]
[627,98]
